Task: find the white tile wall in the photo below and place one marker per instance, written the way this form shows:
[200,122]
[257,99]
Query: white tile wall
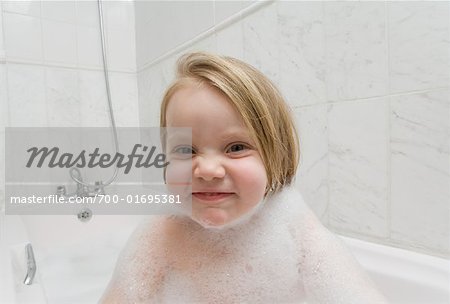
[4,111]
[261,41]
[358,173]
[121,52]
[124,94]
[356,50]
[26,95]
[63,11]
[312,173]
[225,9]
[2,170]
[89,49]
[4,121]
[302,52]
[208,44]
[230,41]
[181,22]
[2,44]
[66,33]
[93,100]
[59,42]
[419,45]
[420,157]
[64,84]
[63,97]
[87,14]
[120,34]
[119,15]
[151,85]
[30,8]
[23,37]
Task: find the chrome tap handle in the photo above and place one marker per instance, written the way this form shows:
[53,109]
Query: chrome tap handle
[31,265]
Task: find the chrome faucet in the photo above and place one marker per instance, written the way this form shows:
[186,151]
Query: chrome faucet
[83,190]
[31,265]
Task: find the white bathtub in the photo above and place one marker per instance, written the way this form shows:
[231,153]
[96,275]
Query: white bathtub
[75,261]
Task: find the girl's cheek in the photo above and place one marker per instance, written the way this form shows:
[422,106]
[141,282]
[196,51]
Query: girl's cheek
[179,177]
[251,172]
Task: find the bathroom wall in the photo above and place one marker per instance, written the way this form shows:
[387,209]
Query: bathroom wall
[368,84]
[3,112]
[51,71]
[165,28]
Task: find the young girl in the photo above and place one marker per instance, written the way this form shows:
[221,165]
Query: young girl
[249,237]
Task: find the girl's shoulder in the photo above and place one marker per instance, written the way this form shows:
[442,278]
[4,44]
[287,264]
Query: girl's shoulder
[302,222]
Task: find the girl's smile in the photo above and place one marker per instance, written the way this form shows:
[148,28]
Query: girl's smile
[211,198]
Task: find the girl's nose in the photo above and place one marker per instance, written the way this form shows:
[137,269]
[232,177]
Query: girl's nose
[208,168]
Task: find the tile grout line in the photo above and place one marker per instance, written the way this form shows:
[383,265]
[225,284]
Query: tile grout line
[389,131]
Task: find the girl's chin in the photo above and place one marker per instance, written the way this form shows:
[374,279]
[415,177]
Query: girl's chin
[212,218]
[222,217]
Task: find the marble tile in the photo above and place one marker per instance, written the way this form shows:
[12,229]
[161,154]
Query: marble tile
[356,50]
[143,11]
[63,97]
[89,47]
[152,86]
[121,50]
[2,43]
[358,168]
[261,41]
[312,174]
[23,37]
[26,96]
[119,15]
[4,109]
[87,14]
[93,100]
[144,33]
[207,44]
[225,9]
[124,97]
[230,41]
[247,3]
[2,170]
[168,69]
[30,8]
[4,122]
[420,161]
[171,24]
[59,42]
[63,11]
[419,44]
[302,52]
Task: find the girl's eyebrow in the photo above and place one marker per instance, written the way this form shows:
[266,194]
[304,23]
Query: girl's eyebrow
[177,137]
[239,133]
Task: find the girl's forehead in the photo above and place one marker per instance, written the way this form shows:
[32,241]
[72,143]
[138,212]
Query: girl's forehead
[202,105]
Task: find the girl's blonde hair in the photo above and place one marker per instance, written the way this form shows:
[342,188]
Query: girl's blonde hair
[254,96]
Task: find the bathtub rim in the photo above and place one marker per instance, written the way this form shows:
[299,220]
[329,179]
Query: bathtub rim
[401,263]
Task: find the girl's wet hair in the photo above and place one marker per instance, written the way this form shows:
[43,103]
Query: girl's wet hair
[258,101]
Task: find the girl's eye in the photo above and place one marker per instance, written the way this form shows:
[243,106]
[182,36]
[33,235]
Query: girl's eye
[183,150]
[235,148]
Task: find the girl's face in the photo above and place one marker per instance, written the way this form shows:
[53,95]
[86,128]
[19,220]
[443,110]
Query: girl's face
[228,174]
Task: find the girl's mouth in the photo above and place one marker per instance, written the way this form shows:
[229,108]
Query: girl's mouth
[211,197]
